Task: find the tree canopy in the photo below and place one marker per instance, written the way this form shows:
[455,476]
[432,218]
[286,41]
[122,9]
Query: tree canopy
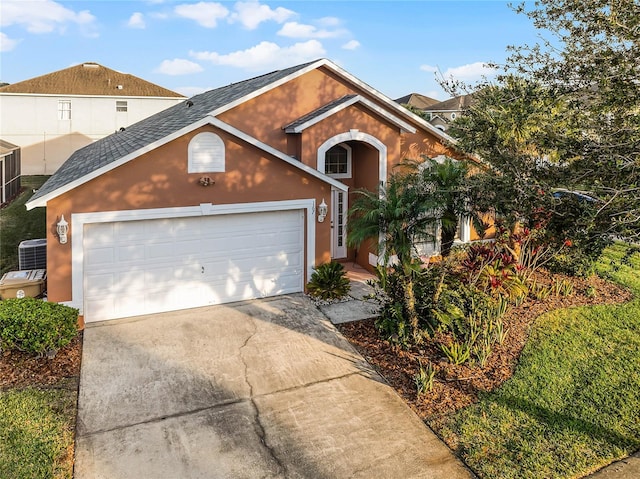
[565,115]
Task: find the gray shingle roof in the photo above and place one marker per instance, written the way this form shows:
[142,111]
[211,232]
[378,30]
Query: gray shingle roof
[457,103]
[318,112]
[113,147]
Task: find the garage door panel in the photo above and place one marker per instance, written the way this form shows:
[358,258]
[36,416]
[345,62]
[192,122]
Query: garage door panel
[141,267]
[100,256]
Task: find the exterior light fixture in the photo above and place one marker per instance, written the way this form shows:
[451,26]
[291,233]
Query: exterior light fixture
[62,228]
[322,211]
[206,181]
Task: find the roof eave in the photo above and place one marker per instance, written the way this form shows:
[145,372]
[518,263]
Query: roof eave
[404,126]
[208,120]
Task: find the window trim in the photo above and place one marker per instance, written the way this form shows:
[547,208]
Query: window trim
[349,151]
[62,110]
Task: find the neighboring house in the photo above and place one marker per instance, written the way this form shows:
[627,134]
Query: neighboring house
[9,171]
[442,114]
[416,100]
[236,193]
[53,115]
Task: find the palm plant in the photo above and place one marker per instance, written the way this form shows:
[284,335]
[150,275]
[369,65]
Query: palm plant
[442,183]
[398,217]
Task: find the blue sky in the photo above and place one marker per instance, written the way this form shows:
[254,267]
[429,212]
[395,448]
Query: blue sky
[190,47]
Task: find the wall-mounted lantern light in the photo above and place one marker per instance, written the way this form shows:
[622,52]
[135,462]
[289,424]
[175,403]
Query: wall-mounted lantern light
[322,211]
[62,229]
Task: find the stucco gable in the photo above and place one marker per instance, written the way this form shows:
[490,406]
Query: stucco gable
[109,152]
[340,104]
[41,198]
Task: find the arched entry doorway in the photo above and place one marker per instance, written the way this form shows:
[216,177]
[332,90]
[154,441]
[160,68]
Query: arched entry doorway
[358,160]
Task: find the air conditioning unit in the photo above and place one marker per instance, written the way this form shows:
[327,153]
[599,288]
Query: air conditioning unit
[32,254]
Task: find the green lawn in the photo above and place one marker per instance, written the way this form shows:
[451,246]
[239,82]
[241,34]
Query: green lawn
[36,433]
[573,404]
[18,224]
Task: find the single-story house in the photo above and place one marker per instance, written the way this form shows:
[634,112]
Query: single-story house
[236,193]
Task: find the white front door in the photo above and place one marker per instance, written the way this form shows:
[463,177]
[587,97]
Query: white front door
[339,205]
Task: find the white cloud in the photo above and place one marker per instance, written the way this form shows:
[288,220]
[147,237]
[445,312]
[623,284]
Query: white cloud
[190,91]
[301,30]
[470,72]
[41,17]
[266,55]
[206,14]
[178,66]
[137,21]
[7,44]
[329,21]
[251,14]
[428,68]
[351,45]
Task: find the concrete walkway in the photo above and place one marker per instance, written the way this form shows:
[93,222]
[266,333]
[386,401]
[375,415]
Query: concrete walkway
[261,389]
[359,304]
[628,468]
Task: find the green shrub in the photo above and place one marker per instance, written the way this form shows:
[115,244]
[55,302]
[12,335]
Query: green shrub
[424,378]
[329,281]
[36,326]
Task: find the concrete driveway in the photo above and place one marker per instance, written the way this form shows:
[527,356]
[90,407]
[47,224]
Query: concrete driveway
[260,389]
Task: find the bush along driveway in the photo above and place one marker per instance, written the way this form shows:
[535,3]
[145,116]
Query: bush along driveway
[38,396]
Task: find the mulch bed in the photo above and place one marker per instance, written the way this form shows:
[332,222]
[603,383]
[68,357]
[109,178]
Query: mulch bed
[21,370]
[456,387]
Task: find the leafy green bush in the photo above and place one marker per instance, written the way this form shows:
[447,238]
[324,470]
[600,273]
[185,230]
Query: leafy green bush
[329,281]
[36,326]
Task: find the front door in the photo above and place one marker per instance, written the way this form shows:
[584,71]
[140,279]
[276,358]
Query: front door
[339,205]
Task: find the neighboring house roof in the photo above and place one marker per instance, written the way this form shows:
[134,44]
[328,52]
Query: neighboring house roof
[6,147]
[457,103]
[89,79]
[148,134]
[416,100]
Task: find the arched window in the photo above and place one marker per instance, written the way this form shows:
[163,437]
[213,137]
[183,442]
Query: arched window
[337,161]
[206,153]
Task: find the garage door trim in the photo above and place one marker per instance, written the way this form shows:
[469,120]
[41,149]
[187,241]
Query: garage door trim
[79,220]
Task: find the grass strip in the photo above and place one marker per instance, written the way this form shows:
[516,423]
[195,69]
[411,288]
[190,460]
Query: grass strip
[573,404]
[36,433]
[18,224]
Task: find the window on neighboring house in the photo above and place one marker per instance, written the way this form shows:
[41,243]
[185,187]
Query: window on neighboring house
[121,105]
[206,154]
[453,116]
[337,161]
[64,109]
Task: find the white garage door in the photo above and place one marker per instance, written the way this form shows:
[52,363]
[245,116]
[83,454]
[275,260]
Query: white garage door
[149,266]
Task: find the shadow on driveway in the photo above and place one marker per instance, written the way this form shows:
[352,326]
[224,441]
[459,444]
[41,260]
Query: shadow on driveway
[259,389]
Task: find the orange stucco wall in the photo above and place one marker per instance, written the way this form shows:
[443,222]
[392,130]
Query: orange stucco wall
[265,116]
[159,179]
